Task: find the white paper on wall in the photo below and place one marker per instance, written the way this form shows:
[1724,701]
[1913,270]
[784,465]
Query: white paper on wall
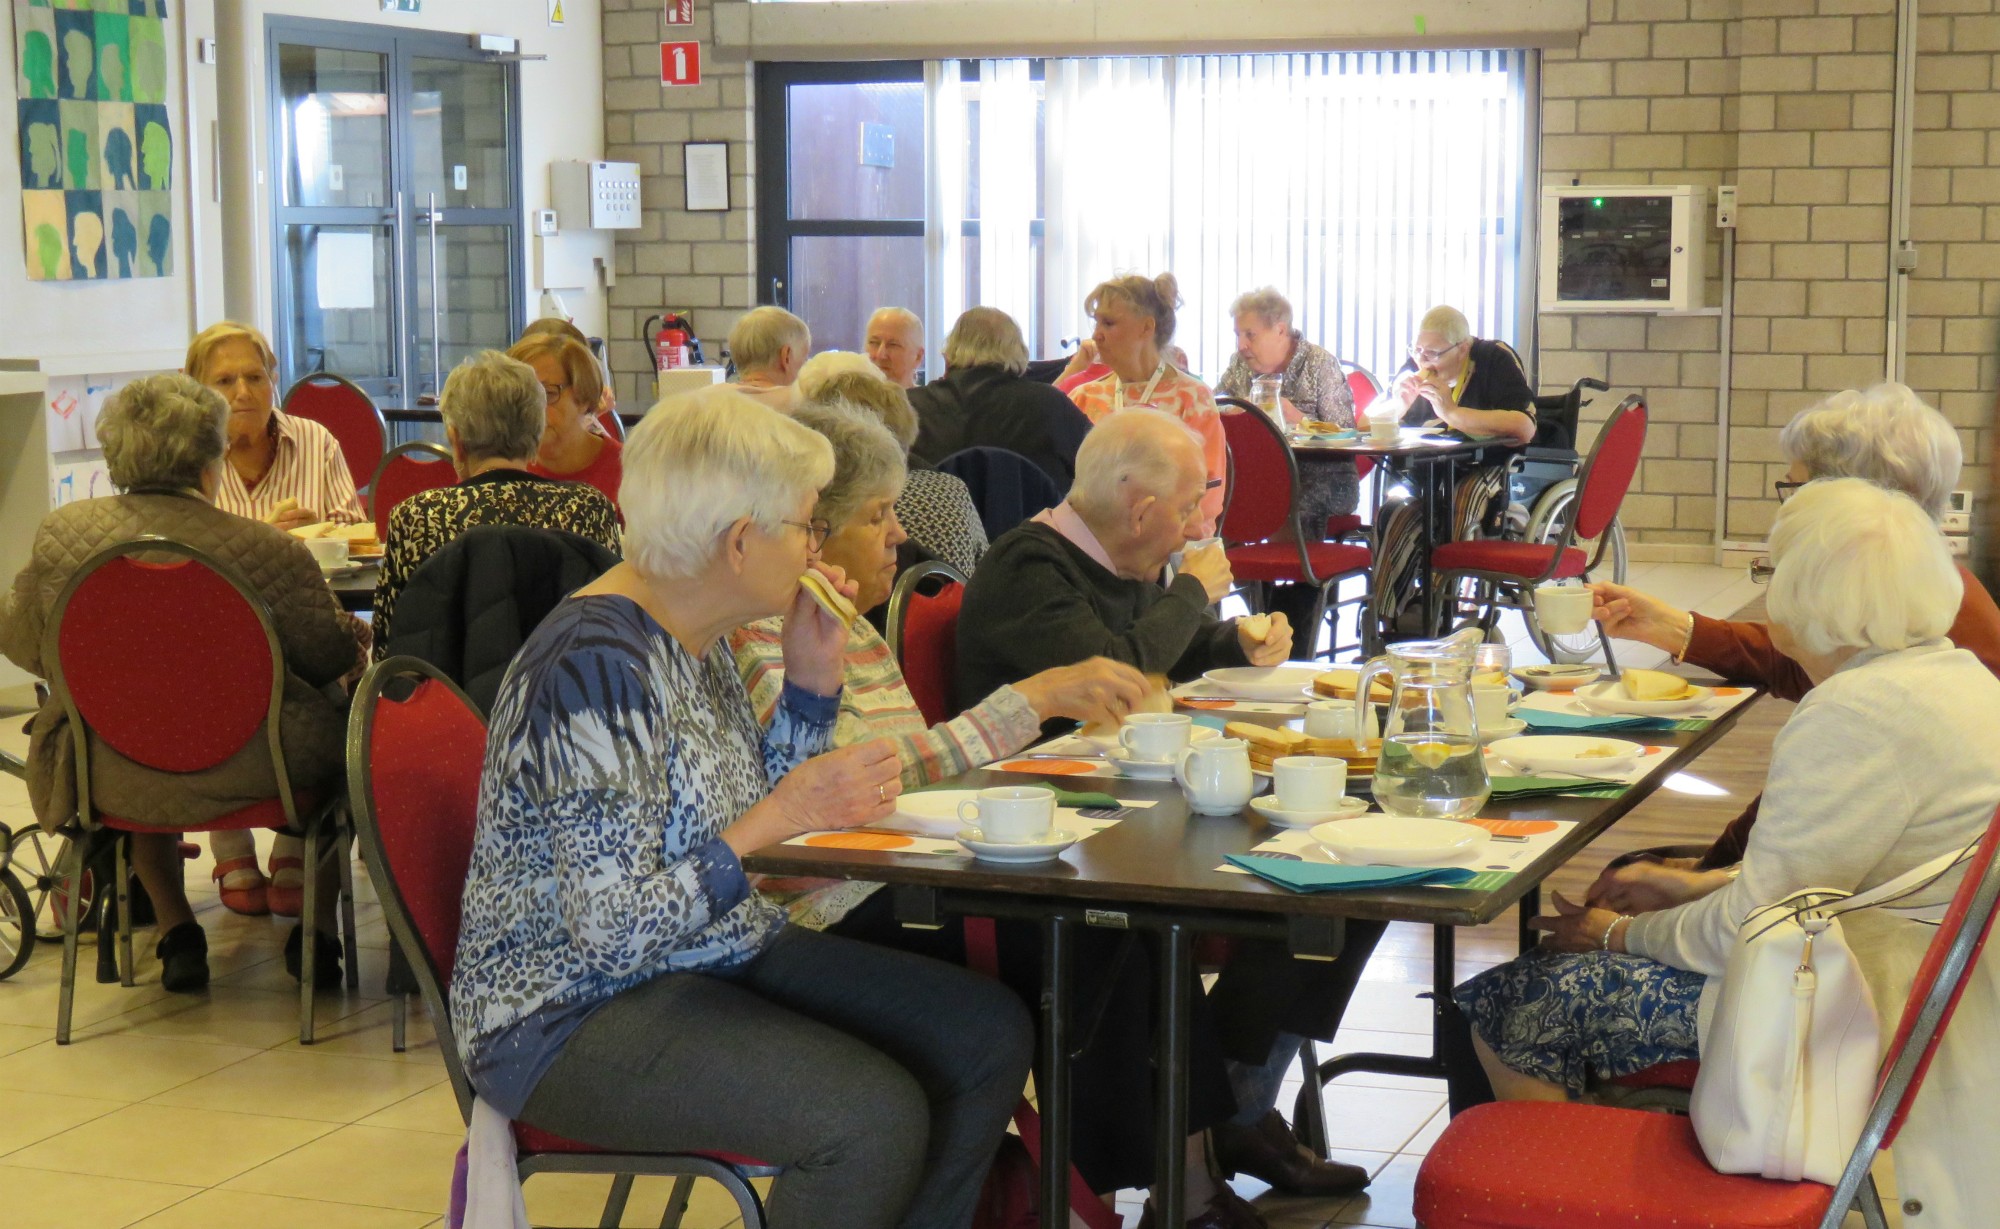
[64,402]
[346,271]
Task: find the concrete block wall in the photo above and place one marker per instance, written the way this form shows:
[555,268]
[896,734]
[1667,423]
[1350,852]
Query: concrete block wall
[1788,99]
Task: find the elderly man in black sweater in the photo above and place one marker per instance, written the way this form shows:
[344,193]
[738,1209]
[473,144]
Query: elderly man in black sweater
[1083,579]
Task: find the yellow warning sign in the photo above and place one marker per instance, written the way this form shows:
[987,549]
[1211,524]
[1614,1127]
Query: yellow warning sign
[555,12]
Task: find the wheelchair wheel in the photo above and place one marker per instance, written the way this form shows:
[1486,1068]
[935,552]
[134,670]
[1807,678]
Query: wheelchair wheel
[1546,525]
[17,926]
[37,860]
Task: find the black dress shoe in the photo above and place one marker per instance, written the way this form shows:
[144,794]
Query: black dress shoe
[1270,1153]
[183,953]
[326,958]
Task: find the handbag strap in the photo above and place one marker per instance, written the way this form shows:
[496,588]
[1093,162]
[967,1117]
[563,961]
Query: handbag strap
[1906,884]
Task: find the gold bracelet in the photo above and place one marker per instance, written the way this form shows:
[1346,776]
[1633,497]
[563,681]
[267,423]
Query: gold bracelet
[1687,641]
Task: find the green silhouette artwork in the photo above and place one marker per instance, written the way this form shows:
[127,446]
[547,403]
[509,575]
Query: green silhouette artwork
[79,157]
[79,63]
[149,60]
[49,251]
[44,163]
[156,155]
[38,65]
[118,158]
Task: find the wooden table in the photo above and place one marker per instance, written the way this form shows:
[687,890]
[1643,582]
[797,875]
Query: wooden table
[1155,871]
[1428,458]
[355,586]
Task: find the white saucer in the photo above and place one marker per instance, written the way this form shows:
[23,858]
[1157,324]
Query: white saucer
[1102,743]
[1145,770]
[1504,729]
[1609,697]
[1267,806]
[1394,840]
[1037,851]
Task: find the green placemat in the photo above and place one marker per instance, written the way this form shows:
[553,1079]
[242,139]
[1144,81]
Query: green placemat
[1321,877]
[1079,798]
[1539,787]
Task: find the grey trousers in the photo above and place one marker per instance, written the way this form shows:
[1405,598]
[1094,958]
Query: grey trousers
[880,1081]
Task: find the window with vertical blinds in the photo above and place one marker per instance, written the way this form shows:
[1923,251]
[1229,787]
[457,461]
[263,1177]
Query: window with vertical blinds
[1366,186]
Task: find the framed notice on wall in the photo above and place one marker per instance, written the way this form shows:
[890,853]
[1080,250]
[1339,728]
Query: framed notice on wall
[705,166]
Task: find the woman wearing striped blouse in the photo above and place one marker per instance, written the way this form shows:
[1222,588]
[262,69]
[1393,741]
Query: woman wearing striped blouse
[282,469]
[287,471]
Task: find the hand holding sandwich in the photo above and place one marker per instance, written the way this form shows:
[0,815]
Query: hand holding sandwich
[816,627]
[1266,639]
[287,515]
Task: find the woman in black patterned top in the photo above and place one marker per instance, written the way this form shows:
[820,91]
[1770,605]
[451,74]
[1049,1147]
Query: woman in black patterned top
[493,409]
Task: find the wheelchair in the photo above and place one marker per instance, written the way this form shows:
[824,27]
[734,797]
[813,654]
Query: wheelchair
[1528,499]
[18,920]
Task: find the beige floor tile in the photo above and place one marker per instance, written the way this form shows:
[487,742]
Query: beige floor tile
[157,1143]
[20,1036]
[116,1068]
[380,1168]
[43,1199]
[1386,1202]
[366,1033]
[1377,1119]
[1390,1007]
[435,1109]
[226,1015]
[29,997]
[578,1199]
[1422,1142]
[212,1208]
[30,1117]
[322,1087]
[271,975]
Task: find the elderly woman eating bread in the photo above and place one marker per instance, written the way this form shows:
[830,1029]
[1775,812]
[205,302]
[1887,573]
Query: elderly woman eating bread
[618,980]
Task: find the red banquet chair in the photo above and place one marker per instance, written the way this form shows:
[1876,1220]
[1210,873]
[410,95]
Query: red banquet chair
[1597,1166]
[416,466]
[209,685]
[923,634]
[1509,570]
[1259,525]
[339,405]
[415,748]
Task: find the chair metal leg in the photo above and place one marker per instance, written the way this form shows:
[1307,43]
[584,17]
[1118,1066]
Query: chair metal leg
[308,935]
[122,874]
[1610,657]
[66,995]
[399,1018]
[1309,1110]
[1870,1201]
[677,1202]
[350,945]
[614,1203]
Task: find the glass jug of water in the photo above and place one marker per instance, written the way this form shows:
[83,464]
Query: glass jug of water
[1430,764]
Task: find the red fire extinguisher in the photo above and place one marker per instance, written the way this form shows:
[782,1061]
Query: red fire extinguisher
[673,342]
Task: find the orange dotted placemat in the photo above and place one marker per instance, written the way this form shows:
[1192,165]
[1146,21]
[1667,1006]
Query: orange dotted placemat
[1210,704]
[1729,691]
[1055,768]
[858,840]
[1515,827]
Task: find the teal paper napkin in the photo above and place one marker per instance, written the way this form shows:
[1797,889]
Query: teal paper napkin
[1538,787]
[1543,719]
[1324,877]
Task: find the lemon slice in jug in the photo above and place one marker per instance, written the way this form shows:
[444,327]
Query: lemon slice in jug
[1430,755]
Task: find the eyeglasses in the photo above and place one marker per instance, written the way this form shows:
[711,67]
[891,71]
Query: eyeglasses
[1760,571]
[816,529]
[554,391]
[1422,355]
[1785,489]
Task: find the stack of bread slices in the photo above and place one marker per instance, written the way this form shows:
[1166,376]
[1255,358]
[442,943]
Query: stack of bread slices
[1268,743]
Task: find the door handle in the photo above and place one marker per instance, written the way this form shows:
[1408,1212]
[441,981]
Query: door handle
[437,335]
[778,292]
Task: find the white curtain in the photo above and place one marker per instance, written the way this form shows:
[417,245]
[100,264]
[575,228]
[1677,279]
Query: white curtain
[1367,187]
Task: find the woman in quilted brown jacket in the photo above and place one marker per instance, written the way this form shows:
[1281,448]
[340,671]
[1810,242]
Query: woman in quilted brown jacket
[163,439]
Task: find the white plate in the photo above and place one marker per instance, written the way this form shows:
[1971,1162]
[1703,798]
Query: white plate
[1145,770]
[1395,840]
[1106,743]
[1267,806]
[1609,697]
[931,813]
[1556,678]
[1263,682]
[1504,729]
[1566,753]
[1037,851]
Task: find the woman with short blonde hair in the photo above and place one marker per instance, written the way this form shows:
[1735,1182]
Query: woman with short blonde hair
[574,445]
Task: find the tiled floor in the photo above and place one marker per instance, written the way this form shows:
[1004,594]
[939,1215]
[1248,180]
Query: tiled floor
[173,1112]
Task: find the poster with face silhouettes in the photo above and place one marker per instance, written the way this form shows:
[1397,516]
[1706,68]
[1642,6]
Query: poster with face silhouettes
[97,150]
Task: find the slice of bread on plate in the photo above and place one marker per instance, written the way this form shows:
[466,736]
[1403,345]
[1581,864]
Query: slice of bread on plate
[1654,685]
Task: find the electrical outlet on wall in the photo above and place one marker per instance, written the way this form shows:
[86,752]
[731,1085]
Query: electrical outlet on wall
[1725,207]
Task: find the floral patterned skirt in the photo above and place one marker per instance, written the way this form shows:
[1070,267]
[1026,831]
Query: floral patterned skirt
[1570,1017]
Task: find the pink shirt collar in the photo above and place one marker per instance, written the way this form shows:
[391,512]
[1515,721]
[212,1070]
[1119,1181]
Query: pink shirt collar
[1064,520]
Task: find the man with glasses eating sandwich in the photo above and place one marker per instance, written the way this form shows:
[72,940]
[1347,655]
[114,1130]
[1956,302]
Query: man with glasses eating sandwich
[1469,384]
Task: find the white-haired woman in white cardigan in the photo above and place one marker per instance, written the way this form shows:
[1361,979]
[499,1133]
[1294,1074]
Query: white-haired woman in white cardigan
[1892,759]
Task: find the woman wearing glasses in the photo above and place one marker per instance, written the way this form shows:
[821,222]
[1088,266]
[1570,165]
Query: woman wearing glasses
[1469,384]
[1885,434]
[572,446]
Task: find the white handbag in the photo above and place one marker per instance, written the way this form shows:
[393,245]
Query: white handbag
[1788,1060]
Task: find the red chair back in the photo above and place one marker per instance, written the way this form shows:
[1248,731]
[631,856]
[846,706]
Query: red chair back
[1363,385]
[1263,480]
[923,634]
[415,750]
[1607,474]
[612,425]
[339,405]
[210,673]
[416,466]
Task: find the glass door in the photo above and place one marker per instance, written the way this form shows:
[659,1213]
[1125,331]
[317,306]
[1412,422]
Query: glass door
[397,205]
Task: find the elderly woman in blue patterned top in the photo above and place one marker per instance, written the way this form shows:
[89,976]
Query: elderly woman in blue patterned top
[617,980]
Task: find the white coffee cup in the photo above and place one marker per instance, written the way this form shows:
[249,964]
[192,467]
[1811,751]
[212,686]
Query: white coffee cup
[329,553]
[1383,427]
[1156,736]
[1011,814]
[1563,609]
[1309,782]
[1330,719]
[1489,704]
